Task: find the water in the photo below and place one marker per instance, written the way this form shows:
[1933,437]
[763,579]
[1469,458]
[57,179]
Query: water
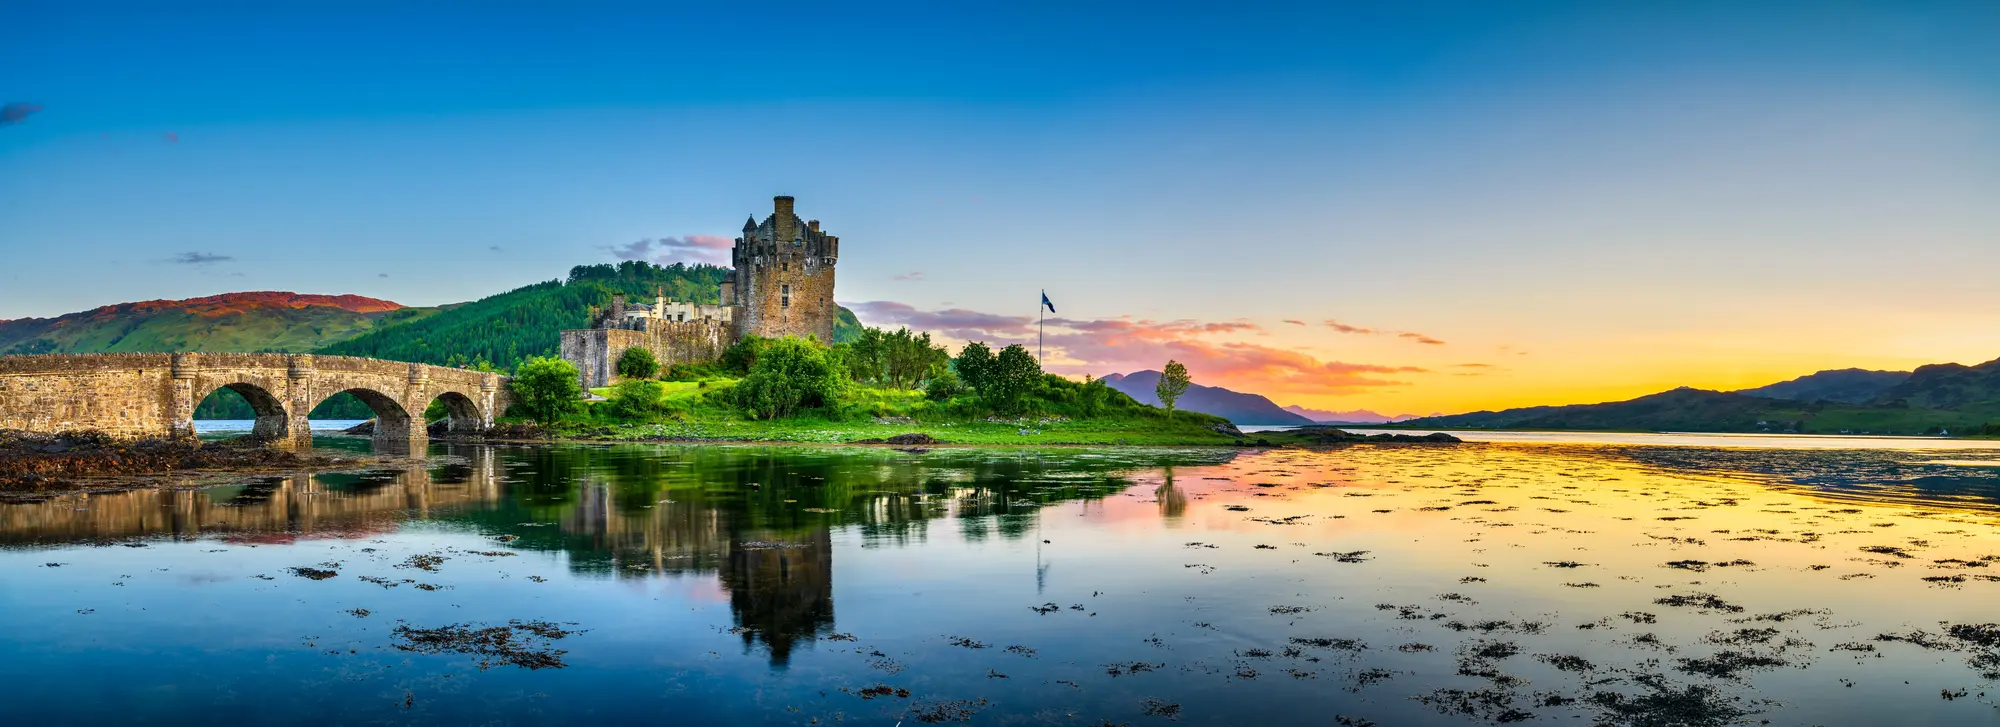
[216,428]
[784,585]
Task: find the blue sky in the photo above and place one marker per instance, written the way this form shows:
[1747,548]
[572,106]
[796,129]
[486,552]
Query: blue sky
[1667,180]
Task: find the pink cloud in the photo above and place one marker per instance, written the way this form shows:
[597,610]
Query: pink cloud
[1123,345]
[711,249]
[1344,328]
[1293,322]
[957,323]
[1420,338]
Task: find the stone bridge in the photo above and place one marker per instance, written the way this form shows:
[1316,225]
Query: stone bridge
[139,395]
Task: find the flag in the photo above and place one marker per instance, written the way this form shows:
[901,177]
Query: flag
[1045,302]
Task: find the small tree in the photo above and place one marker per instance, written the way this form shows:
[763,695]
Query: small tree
[1173,383]
[637,363]
[974,365]
[546,389]
[1015,372]
[790,375]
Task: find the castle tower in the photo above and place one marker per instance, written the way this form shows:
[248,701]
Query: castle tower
[783,278]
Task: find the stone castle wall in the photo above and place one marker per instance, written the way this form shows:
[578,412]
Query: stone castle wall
[595,351]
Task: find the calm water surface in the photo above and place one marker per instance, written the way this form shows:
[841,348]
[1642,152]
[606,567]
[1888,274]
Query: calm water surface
[1557,583]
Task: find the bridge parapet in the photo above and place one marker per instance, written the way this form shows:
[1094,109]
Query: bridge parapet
[154,394]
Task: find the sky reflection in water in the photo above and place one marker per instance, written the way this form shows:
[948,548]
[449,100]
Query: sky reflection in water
[1403,585]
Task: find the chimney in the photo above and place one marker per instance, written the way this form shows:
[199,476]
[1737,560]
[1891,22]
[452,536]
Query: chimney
[813,225]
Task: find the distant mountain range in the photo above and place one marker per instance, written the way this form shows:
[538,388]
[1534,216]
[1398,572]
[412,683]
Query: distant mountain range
[1357,416]
[1240,408]
[1932,399]
[232,322]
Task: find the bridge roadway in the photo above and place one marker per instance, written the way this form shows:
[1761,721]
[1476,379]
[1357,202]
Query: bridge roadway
[142,395]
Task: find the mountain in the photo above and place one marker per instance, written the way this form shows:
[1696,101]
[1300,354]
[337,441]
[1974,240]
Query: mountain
[506,328]
[1945,386]
[232,322]
[1850,386]
[1358,416]
[1237,407]
[1698,410]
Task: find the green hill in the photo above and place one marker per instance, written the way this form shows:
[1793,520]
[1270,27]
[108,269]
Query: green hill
[506,328]
[233,322]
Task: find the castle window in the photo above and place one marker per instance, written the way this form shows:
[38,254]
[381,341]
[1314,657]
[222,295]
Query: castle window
[784,267]
[785,296]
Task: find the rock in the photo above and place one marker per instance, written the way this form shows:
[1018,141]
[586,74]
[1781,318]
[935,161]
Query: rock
[1330,435]
[364,428]
[1226,429]
[901,439]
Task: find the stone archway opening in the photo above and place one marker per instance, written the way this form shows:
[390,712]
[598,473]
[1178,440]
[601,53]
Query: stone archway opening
[269,420]
[461,413]
[392,422]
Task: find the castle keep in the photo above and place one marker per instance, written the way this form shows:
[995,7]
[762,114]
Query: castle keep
[780,284]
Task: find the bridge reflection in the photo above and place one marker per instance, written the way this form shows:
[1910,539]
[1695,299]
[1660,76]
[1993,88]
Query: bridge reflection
[756,521]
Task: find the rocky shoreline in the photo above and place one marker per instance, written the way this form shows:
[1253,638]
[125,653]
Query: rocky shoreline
[33,463]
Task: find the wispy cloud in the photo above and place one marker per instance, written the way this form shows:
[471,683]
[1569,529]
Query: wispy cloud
[1293,322]
[909,276]
[1366,331]
[199,258]
[16,112]
[711,249]
[493,248]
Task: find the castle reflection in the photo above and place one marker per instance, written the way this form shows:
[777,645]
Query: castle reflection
[759,521]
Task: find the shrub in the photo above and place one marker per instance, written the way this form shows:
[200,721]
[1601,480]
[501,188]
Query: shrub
[639,399]
[637,363]
[545,389]
[943,385]
[742,355]
[790,375]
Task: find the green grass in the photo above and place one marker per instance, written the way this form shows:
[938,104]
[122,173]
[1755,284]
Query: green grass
[871,413]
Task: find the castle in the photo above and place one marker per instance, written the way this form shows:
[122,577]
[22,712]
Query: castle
[780,284]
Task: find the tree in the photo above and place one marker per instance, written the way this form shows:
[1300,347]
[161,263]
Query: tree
[546,388]
[974,365]
[637,362]
[1173,383]
[790,375]
[1014,373]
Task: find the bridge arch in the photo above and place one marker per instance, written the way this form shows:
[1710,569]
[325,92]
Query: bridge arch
[273,420]
[462,414]
[392,419]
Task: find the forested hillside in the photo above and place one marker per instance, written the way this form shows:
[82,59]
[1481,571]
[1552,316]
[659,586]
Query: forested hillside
[504,329]
[232,322]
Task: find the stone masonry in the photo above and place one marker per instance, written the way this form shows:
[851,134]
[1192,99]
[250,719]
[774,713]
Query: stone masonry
[141,395]
[781,285]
